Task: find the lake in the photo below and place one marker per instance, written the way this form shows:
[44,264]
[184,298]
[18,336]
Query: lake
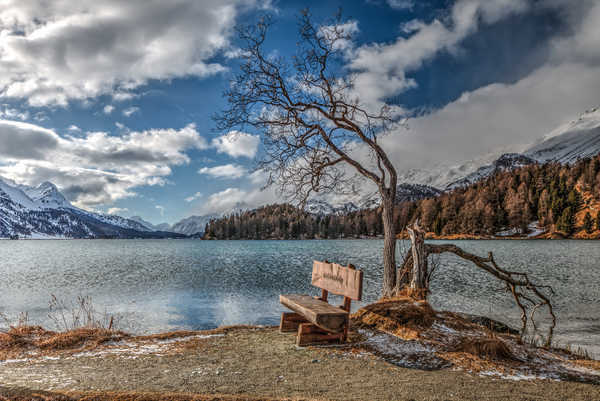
[159,285]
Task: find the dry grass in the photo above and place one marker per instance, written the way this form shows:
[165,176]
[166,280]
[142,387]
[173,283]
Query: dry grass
[78,338]
[470,343]
[188,333]
[485,347]
[79,313]
[18,341]
[401,317]
[34,340]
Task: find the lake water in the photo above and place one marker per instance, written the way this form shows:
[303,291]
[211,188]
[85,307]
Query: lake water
[158,285]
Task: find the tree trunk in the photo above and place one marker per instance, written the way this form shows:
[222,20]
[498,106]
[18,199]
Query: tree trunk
[418,277]
[389,246]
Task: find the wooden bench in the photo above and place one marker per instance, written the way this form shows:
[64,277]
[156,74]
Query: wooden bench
[314,318]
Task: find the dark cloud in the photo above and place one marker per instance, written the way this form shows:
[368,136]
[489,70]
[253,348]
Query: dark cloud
[25,141]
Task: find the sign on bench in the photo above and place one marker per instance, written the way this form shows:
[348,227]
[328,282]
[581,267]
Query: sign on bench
[314,318]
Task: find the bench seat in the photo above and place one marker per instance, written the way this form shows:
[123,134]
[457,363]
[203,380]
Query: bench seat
[316,311]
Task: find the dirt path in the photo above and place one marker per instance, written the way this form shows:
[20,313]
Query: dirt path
[264,363]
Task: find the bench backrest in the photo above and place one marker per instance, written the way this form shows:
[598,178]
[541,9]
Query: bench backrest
[340,280]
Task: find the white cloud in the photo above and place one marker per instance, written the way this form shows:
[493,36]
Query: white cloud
[224,171]
[496,116]
[381,69]
[348,29]
[13,114]
[192,198]
[161,209]
[74,128]
[108,109]
[401,4]
[120,96]
[237,144]
[96,168]
[258,177]
[117,210]
[130,110]
[505,116]
[236,198]
[54,52]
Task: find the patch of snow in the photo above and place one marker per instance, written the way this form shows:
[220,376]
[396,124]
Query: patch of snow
[7,361]
[534,229]
[409,354]
[508,233]
[519,376]
[133,349]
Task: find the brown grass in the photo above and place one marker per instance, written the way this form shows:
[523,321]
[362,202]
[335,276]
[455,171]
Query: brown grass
[402,317]
[490,347]
[18,341]
[77,338]
[22,339]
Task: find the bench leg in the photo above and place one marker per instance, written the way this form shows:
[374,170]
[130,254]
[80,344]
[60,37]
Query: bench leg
[290,322]
[309,333]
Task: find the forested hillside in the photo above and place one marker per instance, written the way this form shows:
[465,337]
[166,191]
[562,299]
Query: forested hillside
[564,200]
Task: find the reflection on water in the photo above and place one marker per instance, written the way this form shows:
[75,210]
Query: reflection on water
[166,284]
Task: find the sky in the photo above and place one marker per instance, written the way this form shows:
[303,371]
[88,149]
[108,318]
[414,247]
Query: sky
[113,101]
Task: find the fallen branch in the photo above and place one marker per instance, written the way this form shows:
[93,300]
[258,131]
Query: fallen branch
[526,293]
[414,275]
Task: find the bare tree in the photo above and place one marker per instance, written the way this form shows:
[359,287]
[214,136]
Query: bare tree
[311,122]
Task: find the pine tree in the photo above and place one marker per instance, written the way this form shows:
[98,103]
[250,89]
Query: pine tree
[588,224]
[565,222]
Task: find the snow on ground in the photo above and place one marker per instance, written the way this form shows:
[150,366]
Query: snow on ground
[408,354]
[125,348]
[508,233]
[534,229]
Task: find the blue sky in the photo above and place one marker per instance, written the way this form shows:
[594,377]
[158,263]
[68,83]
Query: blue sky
[112,101]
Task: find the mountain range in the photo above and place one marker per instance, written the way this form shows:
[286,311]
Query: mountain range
[43,212]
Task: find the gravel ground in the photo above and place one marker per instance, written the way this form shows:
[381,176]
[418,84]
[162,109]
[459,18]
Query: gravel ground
[265,364]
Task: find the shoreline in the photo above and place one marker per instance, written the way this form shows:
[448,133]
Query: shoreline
[258,363]
[398,349]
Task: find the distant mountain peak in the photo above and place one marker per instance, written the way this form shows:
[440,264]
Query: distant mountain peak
[193,225]
[150,226]
[406,192]
[47,196]
[571,141]
[506,162]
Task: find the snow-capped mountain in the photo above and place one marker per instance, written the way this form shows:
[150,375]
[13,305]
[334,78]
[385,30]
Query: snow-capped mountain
[322,208]
[149,226]
[47,196]
[192,225]
[117,221]
[571,141]
[506,162]
[440,175]
[43,212]
[406,192]
[574,140]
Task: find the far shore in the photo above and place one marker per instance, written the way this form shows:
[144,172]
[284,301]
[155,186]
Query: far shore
[428,236]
